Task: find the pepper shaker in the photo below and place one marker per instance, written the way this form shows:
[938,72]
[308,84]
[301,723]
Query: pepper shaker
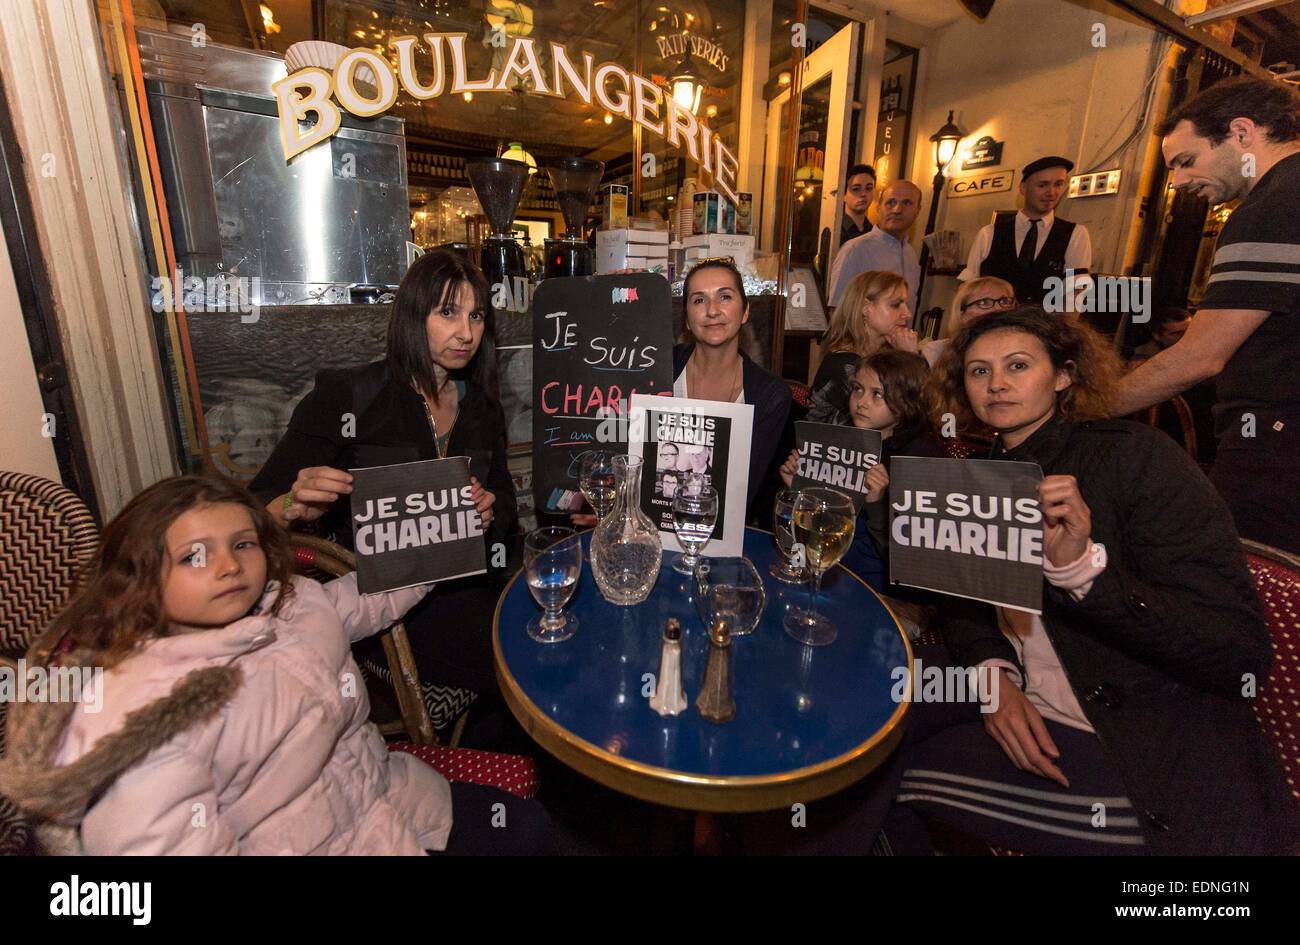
[669,698]
[715,702]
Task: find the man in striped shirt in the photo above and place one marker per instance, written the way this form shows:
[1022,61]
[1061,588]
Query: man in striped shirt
[1240,139]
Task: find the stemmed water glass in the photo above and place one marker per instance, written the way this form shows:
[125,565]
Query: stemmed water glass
[596,479]
[552,564]
[823,528]
[729,589]
[695,513]
[783,527]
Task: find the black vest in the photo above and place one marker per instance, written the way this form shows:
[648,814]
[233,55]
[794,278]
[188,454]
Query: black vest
[1003,259]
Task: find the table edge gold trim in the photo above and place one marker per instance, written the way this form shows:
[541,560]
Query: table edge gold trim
[695,791]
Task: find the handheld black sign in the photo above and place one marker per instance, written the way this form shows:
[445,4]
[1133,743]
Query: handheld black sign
[596,341]
[971,527]
[414,523]
[835,456]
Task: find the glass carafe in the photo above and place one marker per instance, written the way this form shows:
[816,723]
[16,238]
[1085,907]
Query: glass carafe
[626,551]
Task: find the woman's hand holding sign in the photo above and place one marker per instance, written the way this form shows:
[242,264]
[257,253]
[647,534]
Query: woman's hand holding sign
[789,468]
[877,482]
[1018,728]
[313,492]
[1067,521]
[482,501]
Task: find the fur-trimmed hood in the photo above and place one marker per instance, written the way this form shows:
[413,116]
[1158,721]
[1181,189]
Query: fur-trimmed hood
[254,738]
[36,730]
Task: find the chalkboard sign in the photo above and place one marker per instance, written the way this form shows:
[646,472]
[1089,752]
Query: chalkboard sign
[596,341]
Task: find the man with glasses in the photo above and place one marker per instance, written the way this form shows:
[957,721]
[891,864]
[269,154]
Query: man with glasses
[978,297]
[1032,245]
[885,247]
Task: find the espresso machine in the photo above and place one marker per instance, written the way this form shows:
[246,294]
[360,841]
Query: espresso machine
[499,184]
[575,181]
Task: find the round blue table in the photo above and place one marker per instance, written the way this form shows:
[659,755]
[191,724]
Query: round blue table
[809,720]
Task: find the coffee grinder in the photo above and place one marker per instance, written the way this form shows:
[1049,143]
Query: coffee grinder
[575,181]
[499,184]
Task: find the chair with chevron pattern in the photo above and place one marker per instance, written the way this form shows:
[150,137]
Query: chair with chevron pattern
[46,535]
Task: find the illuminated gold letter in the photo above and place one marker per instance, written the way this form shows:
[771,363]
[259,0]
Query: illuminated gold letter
[622,105]
[294,107]
[405,46]
[345,90]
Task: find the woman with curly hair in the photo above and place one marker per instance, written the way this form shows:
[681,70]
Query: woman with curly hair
[1118,721]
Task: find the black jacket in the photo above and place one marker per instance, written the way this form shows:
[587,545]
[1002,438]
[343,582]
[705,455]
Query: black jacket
[831,388]
[770,397]
[921,442]
[392,428]
[1159,651]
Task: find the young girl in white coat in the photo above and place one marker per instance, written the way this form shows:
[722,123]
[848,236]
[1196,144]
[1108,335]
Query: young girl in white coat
[231,717]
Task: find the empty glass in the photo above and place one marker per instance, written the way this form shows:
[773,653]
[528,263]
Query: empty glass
[596,479]
[695,513]
[823,530]
[552,565]
[731,589]
[783,528]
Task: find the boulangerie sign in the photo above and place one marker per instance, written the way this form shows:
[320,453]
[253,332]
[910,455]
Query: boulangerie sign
[422,73]
[414,523]
[677,436]
[972,528]
[835,456]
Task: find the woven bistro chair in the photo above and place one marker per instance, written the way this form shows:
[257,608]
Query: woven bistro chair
[46,535]
[425,708]
[1156,414]
[1277,701]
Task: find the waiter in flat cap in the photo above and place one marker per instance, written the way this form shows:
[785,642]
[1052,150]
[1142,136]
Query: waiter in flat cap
[1031,245]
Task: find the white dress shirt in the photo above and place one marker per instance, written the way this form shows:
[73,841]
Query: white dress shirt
[1078,254]
[1046,686]
[875,251]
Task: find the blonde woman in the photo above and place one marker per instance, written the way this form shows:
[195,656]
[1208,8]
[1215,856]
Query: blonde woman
[872,313]
[974,298]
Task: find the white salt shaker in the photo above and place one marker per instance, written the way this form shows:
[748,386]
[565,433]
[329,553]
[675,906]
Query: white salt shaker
[669,699]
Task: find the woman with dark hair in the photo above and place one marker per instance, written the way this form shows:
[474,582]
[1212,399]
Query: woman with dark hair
[1120,720]
[433,395]
[712,366]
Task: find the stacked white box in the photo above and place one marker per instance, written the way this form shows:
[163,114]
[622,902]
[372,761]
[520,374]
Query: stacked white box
[739,247]
[631,249]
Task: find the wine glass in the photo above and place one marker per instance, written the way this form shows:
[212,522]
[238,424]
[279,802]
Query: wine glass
[729,589]
[695,512]
[596,479]
[823,527]
[552,564]
[783,528]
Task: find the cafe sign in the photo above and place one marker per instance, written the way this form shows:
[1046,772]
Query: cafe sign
[312,92]
[975,184]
